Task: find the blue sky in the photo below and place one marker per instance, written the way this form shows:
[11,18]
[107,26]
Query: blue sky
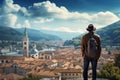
[59,15]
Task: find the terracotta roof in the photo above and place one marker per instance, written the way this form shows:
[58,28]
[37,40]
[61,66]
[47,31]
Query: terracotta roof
[45,73]
[78,67]
[47,52]
[54,60]
[12,57]
[11,76]
[68,70]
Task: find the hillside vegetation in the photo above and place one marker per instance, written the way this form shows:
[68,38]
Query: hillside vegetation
[7,33]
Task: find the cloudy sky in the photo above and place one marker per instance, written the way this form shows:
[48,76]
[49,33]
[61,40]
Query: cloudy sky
[59,15]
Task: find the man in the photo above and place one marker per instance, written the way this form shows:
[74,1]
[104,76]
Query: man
[88,58]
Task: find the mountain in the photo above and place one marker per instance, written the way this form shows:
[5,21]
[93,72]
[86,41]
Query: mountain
[7,33]
[63,35]
[16,34]
[37,35]
[110,36]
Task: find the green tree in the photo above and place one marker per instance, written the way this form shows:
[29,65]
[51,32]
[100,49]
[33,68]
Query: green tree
[32,77]
[110,71]
[76,42]
[117,60]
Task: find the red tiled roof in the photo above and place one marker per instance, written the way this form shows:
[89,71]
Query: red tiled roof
[46,73]
[12,57]
[68,70]
[11,76]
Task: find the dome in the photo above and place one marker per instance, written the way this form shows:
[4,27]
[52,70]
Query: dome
[34,51]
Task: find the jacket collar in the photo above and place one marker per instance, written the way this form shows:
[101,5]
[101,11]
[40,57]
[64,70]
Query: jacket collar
[91,33]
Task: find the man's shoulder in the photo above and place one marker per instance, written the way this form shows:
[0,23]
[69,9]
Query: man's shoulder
[96,35]
[85,35]
[88,35]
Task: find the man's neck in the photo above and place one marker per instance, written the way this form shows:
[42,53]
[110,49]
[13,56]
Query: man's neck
[91,32]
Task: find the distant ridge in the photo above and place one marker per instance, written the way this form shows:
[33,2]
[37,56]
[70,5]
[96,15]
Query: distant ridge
[8,33]
[110,35]
[36,35]
[16,34]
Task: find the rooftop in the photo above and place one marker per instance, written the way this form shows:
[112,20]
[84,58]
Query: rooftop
[12,57]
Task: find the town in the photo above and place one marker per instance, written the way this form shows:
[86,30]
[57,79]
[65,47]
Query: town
[48,60]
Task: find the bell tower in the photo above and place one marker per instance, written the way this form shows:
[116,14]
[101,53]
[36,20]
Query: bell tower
[25,44]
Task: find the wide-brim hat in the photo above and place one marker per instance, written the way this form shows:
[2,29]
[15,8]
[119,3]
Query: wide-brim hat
[90,27]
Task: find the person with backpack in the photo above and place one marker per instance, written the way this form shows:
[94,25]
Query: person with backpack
[91,51]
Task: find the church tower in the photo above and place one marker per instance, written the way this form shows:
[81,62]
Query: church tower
[25,44]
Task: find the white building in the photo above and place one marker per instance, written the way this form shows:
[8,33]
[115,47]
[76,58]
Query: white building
[46,54]
[34,53]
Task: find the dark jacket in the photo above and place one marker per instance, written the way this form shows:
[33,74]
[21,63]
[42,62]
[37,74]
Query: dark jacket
[85,39]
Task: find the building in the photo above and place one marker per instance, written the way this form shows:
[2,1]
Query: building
[9,59]
[14,69]
[10,76]
[34,53]
[46,54]
[73,74]
[25,44]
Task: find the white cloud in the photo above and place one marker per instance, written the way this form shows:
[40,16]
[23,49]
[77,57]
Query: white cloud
[81,20]
[27,23]
[8,13]
[46,11]
[9,7]
[8,20]
[100,19]
[104,18]
[24,12]
[42,20]
[18,25]
[50,10]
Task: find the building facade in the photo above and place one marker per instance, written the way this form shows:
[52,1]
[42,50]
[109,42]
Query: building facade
[69,74]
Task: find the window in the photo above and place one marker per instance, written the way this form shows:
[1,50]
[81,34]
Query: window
[73,74]
[25,48]
[64,74]
[76,74]
[7,61]
[25,43]
[2,61]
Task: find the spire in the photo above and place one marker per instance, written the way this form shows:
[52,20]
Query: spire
[25,32]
